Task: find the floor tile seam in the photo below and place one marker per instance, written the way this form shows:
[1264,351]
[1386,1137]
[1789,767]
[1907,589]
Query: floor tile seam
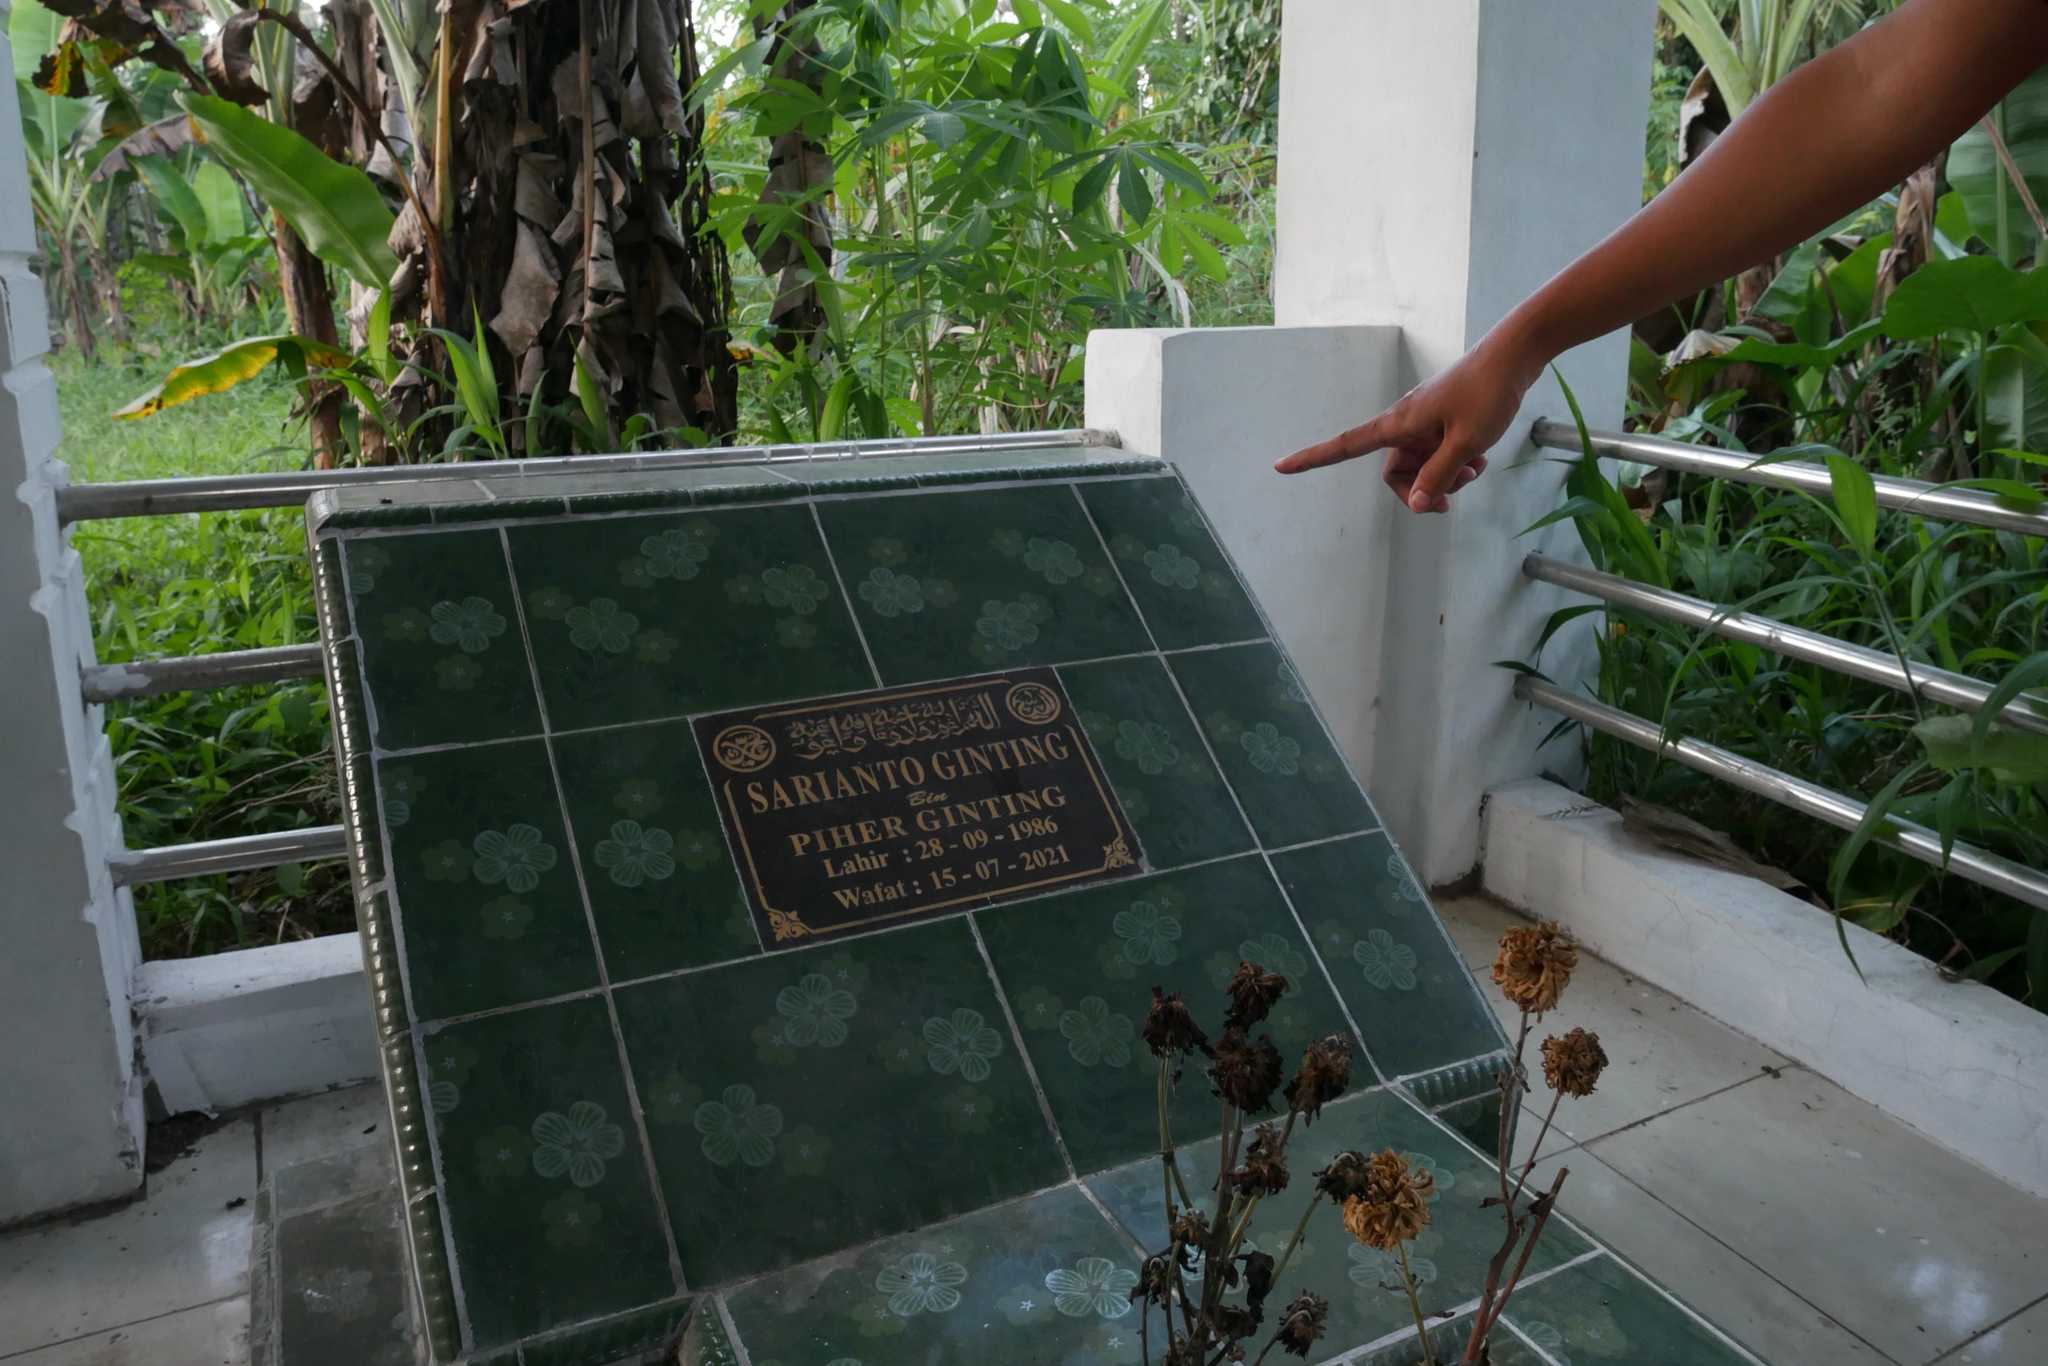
[124,1326]
[1734,1251]
[1052,1124]
[611,1008]
[380,755]
[1528,1342]
[1682,1106]
[1273,875]
[845,598]
[1952,1353]
[1109,557]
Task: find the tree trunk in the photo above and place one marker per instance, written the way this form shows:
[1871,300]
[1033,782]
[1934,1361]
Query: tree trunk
[74,296]
[309,307]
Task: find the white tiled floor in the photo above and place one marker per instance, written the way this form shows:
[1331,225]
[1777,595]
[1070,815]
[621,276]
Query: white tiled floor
[1807,1224]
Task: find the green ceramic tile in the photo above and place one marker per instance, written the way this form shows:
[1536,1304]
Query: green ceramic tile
[1294,785]
[1601,1311]
[441,649]
[1402,979]
[1156,761]
[488,908]
[1079,971]
[962,583]
[661,887]
[636,618]
[548,1200]
[1449,1259]
[1045,1281]
[1179,576]
[624,1337]
[816,1099]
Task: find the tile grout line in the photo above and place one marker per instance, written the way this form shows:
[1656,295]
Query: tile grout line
[1546,1358]
[845,598]
[1987,1330]
[124,1327]
[1052,1124]
[668,1232]
[732,1329]
[1362,1354]
[676,718]
[1116,1225]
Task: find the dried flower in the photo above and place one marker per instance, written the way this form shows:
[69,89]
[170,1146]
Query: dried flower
[1252,994]
[1535,965]
[1343,1178]
[1155,1282]
[1394,1206]
[1325,1072]
[1304,1320]
[1235,1321]
[1265,1163]
[1572,1064]
[1170,1028]
[1245,1073]
[1190,1234]
[1258,1280]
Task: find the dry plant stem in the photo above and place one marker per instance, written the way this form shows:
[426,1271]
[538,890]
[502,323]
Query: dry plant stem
[1512,1084]
[1300,1228]
[1537,1146]
[1541,1212]
[1415,1305]
[2014,175]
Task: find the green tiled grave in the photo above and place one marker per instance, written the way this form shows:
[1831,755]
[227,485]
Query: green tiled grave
[590,726]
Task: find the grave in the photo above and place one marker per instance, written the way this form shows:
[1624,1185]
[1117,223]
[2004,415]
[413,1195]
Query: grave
[762,872]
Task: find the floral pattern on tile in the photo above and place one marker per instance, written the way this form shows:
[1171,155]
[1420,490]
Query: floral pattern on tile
[489,907]
[545,1183]
[1155,760]
[749,589]
[1293,784]
[1600,1311]
[1080,1011]
[880,1057]
[1179,576]
[662,889]
[947,584]
[1401,978]
[440,652]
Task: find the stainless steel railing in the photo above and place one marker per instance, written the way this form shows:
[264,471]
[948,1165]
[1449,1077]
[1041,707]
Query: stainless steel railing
[2029,885]
[235,668]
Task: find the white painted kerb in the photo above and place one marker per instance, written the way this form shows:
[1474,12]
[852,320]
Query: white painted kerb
[1963,1064]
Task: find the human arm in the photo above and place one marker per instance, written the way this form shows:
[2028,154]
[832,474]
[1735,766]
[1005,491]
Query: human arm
[1833,135]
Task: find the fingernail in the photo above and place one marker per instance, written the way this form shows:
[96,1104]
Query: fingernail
[1418,502]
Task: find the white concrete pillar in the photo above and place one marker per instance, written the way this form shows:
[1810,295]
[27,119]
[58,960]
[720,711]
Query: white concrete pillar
[1439,161]
[70,1097]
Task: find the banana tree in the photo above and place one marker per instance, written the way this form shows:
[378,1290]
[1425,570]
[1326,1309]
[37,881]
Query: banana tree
[1749,45]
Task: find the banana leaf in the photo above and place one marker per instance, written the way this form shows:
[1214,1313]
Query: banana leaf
[222,370]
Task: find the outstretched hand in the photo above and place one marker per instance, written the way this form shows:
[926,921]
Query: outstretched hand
[1436,438]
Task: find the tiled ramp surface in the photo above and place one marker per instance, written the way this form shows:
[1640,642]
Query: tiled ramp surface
[633,1090]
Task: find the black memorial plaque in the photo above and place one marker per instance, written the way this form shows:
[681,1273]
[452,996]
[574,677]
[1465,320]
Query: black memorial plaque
[862,810]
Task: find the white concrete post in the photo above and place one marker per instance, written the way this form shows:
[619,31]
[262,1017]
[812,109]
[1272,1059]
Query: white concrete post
[1438,161]
[70,1097]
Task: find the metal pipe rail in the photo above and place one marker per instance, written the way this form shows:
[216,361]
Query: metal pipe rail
[1980,866]
[240,854]
[1906,495]
[289,488]
[1872,666]
[183,673]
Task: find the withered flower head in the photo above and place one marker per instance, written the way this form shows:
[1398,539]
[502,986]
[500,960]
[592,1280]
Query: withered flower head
[1235,1321]
[1535,965]
[1155,1282]
[1325,1072]
[1183,1352]
[1304,1320]
[1265,1163]
[1573,1064]
[1394,1206]
[1245,1073]
[1252,994]
[1343,1178]
[1191,1228]
[1258,1279]
[1170,1028]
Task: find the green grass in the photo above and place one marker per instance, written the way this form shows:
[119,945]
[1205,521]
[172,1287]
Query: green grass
[205,765]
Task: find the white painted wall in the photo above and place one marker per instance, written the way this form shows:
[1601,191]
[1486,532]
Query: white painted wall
[1438,162]
[1215,401]
[70,1097]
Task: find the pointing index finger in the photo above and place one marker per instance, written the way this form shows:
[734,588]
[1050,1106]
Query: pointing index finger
[1361,440]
